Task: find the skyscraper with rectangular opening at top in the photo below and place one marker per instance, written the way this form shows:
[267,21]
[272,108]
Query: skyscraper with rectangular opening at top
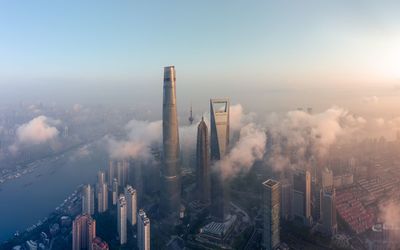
[219,141]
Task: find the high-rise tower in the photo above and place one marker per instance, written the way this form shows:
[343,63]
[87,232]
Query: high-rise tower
[122,219]
[301,199]
[271,214]
[328,211]
[143,229]
[102,192]
[170,172]
[219,138]
[202,163]
[88,200]
[131,200]
[83,232]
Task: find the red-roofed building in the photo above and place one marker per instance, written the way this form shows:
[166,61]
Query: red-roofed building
[99,244]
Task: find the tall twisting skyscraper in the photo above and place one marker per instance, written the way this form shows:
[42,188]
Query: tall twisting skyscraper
[88,200]
[170,171]
[83,232]
[131,200]
[122,219]
[143,231]
[202,163]
[271,211]
[219,122]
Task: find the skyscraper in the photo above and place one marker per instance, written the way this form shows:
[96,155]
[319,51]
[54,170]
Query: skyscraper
[102,192]
[101,177]
[170,171]
[219,137]
[102,198]
[301,200]
[122,172]
[131,200]
[115,192]
[202,163]
[122,219]
[271,213]
[328,211]
[111,173]
[83,232]
[286,199]
[88,200]
[143,231]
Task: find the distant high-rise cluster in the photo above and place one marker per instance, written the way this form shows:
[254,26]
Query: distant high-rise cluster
[143,229]
[119,169]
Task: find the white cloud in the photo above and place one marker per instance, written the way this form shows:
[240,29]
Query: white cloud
[39,130]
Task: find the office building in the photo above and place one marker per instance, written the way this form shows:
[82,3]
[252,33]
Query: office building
[328,211]
[219,141]
[301,199]
[271,213]
[143,231]
[122,220]
[286,199]
[170,171]
[131,201]
[83,232]
[88,200]
[202,163]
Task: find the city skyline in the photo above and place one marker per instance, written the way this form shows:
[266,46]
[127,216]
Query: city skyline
[228,125]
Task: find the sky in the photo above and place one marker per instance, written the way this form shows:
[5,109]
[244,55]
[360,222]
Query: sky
[279,53]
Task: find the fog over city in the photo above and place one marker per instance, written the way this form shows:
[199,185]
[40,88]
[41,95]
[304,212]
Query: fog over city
[200,125]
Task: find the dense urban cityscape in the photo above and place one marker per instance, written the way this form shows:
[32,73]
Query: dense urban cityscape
[271,192]
[188,125]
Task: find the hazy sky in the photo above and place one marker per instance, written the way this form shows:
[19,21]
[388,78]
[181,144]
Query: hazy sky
[280,53]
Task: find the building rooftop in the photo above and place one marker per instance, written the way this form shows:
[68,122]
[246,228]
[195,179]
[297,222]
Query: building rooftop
[270,183]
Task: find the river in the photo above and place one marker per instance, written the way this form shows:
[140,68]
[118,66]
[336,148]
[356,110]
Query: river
[26,200]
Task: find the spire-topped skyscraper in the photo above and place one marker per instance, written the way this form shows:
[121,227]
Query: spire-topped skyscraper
[170,171]
[202,163]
